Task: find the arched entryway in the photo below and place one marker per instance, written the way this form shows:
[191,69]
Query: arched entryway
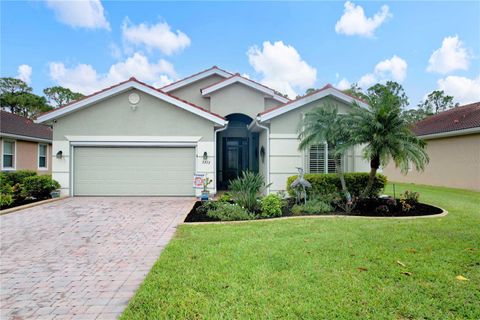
[237,149]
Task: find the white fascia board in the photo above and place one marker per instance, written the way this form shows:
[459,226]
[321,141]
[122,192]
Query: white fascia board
[238,79]
[451,133]
[133,144]
[133,138]
[25,138]
[122,88]
[199,76]
[311,98]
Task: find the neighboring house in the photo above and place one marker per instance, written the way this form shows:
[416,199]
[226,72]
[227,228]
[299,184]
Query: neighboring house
[453,145]
[24,144]
[134,139]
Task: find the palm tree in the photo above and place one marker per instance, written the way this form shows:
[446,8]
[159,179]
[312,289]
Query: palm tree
[385,134]
[325,124]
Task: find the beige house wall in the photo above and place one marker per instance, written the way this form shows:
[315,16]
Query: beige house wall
[237,98]
[454,162]
[284,154]
[114,117]
[192,93]
[26,155]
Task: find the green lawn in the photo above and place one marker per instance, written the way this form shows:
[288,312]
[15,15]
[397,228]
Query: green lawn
[309,268]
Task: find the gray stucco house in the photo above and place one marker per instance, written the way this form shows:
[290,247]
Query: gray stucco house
[134,139]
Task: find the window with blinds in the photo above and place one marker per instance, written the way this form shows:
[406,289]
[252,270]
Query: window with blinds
[321,160]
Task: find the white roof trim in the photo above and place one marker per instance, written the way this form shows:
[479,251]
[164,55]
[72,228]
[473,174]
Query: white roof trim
[120,89]
[21,137]
[196,77]
[453,133]
[308,99]
[249,83]
[133,138]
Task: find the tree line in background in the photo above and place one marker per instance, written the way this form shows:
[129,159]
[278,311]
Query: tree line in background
[18,98]
[437,101]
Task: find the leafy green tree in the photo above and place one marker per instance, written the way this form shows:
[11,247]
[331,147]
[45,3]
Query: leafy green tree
[437,101]
[385,133]
[414,115]
[325,124]
[395,90]
[17,97]
[10,90]
[355,91]
[59,96]
[307,92]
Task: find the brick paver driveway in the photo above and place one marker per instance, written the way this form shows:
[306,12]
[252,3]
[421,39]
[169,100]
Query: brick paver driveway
[82,258]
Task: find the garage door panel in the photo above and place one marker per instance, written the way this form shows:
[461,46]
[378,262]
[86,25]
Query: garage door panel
[133,171]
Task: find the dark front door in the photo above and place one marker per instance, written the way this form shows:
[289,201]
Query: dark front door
[235,158]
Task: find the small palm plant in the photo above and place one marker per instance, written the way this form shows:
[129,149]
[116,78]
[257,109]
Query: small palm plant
[385,134]
[325,124]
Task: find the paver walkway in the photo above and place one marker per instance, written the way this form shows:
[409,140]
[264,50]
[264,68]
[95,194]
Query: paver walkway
[82,258]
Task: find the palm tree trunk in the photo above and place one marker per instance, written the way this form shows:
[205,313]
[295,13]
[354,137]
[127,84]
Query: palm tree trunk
[338,167]
[374,165]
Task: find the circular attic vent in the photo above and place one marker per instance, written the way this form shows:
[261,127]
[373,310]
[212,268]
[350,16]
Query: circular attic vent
[134,98]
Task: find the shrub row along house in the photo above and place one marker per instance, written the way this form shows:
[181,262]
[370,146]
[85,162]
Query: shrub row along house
[24,145]
[453,145]
[134,139]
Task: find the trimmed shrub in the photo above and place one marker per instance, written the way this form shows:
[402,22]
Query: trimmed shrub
[314,206]
[39,187]
[271,206]
[225,211]
[329,183]
[225,197]
[6,194]
[14,177]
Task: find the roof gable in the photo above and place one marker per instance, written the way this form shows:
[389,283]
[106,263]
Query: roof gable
[132,83]
[328,90]
[236,78]
[195,77]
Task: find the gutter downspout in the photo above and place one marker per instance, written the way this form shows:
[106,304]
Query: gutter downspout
[268,151]
[215,153]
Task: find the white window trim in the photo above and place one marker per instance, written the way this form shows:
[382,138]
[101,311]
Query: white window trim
[14,158]
[46,157]
[306,154]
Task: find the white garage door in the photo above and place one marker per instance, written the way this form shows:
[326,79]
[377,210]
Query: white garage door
[114,171]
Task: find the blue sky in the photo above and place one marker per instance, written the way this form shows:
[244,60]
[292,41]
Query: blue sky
[290,46]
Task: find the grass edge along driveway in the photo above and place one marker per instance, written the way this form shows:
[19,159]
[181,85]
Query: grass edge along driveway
[322,268]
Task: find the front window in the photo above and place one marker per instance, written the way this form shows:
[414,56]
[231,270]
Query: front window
[8,155]
[321,160]
[42,156]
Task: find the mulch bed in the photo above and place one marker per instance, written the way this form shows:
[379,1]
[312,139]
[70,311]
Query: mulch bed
[365,208]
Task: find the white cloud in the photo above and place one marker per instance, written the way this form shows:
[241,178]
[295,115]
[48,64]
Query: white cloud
[451,56]
[394,69]
[368,80]
[24,73]
[282,68]
[83,13]
[354,22]
[85,79]
[157,36]
[343,84]
[464,90]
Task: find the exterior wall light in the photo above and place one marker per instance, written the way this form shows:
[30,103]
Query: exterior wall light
[59,154]
[262,154]
[205,156]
